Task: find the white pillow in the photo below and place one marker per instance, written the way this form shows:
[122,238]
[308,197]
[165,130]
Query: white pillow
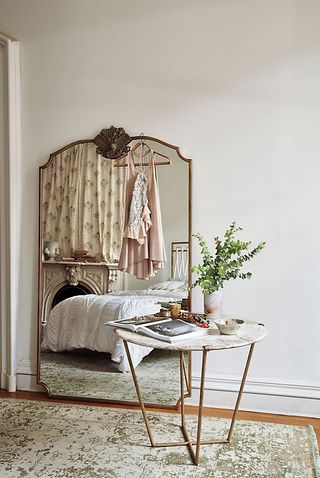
[174,285]
[169,285]
[160,285]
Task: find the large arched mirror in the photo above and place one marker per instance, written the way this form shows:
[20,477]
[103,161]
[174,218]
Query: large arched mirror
[87,272]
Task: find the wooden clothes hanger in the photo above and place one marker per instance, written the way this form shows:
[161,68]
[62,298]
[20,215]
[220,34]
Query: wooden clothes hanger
[142,144]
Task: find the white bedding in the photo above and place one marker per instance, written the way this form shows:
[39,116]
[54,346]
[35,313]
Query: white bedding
[79,322]
[154,294]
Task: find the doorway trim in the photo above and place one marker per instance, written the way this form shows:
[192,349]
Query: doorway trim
[10,214]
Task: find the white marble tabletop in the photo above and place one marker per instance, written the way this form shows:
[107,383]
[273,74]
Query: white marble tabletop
[249,333]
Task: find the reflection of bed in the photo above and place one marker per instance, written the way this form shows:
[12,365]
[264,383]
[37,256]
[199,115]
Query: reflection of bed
[78,323]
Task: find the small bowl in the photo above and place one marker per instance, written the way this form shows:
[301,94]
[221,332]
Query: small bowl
[229,325]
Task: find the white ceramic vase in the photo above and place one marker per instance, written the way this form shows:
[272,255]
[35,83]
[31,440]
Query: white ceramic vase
[213,305]
[51,250]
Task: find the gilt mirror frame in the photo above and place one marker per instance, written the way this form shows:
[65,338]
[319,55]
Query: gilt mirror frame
[110,154]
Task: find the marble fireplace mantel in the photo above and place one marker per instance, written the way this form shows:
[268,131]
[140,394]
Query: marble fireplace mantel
[97,277]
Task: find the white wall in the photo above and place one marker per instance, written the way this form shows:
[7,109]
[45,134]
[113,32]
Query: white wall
[236,84]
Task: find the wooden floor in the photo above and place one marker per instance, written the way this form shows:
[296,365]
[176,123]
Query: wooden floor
[214,412]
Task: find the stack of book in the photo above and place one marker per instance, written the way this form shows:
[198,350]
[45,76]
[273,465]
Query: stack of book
[81,255]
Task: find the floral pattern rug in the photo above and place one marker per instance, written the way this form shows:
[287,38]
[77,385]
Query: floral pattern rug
[50,440]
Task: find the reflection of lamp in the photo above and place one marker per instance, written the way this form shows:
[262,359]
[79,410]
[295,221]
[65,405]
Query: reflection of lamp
[51,250]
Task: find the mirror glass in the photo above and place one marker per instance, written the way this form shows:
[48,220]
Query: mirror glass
[85,208]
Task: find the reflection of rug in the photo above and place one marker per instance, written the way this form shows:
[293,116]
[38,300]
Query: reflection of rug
[40,439]
[95,376]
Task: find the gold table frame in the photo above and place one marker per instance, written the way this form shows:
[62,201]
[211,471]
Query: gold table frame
[195,454]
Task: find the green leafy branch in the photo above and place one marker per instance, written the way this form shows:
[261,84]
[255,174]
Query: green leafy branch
[227,261]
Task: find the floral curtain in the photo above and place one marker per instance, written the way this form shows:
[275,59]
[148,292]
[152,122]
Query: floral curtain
[83,203]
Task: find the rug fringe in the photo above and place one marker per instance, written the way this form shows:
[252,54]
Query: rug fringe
[315,450]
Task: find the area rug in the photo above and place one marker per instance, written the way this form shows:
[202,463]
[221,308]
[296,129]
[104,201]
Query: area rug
[41,439]
[96,376]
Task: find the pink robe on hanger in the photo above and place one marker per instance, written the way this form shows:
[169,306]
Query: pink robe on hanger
[143,259]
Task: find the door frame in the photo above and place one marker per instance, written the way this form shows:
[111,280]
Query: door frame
[10,214]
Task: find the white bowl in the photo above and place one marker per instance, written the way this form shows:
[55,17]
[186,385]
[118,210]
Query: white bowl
[229,325]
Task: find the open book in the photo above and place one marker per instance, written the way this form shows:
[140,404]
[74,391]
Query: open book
[166,329]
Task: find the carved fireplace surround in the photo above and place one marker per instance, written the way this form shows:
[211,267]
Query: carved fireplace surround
[89,277]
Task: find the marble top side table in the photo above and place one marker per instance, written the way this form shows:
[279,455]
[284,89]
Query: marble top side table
[248,335]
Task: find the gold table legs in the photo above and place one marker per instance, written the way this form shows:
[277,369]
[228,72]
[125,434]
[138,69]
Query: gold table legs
[194,453]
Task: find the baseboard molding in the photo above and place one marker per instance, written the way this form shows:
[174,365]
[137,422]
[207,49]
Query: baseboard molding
[27,367]
[4,381]
[21,381]
[28,383]
[288,398]
[27,376]
[260,386]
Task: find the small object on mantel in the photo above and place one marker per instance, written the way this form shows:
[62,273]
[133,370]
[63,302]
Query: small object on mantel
[228,325]
[80,253]
[67,259]
[89,259]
